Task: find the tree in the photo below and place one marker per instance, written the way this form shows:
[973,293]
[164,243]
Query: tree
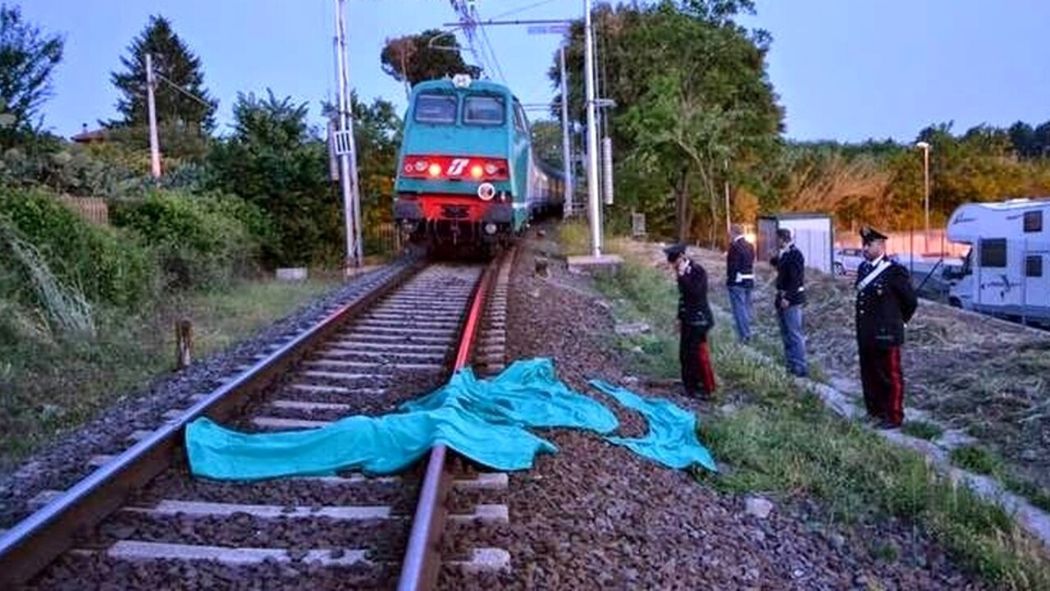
[274,160]
[27,60]
[185,112]
[377,137]
[547,142]
[1022,137]
[429,55]
[707,114]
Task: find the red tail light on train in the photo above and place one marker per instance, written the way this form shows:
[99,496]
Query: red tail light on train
[455,168]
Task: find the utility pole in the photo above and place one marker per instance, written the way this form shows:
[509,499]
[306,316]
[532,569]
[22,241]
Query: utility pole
[566,150]
[592,132]
[154,143]
[346,149]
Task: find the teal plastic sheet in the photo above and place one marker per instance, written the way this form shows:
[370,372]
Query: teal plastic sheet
[526,394]
[671,439]
[486,421]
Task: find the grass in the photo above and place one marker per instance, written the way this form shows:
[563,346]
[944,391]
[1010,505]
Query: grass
[976,459]
[982,461]
[575,239]
[50,384]
[782,440]
[922,430]
[1011,362]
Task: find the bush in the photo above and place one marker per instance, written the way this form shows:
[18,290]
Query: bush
[200,241]
[106,265]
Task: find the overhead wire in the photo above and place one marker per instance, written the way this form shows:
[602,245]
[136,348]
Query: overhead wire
[488,44]
[523,9]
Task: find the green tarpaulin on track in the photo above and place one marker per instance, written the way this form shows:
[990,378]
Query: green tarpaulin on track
[484,420]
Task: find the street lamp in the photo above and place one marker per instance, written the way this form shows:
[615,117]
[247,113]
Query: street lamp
[925,147]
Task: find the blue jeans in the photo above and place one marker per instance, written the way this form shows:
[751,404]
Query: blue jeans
[740,302]
[794,343]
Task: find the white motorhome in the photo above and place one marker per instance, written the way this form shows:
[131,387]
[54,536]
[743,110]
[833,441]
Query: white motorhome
[1007,271]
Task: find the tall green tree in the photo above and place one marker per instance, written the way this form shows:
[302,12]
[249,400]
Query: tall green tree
[276,161]
[426,56]
[185,111]
[27,60]
[694,108]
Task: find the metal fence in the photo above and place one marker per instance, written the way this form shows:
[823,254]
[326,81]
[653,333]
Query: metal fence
[380,239]
[92,209]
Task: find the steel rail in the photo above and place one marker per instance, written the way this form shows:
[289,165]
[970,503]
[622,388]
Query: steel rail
[419,570]
[37,540]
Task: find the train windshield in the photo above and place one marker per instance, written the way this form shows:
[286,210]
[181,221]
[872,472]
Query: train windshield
[436,108]
[484,110]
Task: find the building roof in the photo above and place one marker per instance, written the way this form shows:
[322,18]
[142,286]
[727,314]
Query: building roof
[87,137]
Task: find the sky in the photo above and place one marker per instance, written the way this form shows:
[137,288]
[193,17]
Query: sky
[846,70]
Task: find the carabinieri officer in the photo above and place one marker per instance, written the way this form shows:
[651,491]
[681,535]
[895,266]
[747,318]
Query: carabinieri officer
[885,303]
[694,315]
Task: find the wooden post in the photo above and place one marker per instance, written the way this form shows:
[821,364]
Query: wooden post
[183,343]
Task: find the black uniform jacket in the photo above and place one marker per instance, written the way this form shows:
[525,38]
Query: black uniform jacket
[790,268]
[884,305]
[740,260]
[693,308]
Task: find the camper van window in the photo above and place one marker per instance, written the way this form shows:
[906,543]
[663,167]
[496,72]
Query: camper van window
[1033,221]
[993,252]
[1033,266]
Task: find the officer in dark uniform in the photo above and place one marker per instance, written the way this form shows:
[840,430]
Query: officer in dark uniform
[695,318]
[740,280]
[886,301]
[790,299]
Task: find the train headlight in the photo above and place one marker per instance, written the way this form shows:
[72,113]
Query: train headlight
[490,228]
[486,191]
[475,171]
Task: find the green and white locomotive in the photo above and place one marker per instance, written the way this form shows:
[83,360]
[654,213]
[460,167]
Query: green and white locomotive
[467,174]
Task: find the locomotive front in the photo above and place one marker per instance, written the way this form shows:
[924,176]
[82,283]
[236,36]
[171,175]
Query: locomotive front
[456,180]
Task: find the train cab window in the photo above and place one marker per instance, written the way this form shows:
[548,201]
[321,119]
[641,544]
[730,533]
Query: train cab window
[484,110]
[1033,221]
[993,252]
[436,108]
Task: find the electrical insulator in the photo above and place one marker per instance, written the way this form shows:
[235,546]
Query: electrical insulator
[607,170]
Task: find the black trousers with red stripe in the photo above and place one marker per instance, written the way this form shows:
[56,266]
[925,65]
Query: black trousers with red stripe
[883,382]
[693,353]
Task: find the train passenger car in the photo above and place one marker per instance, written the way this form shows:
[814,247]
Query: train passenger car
[467,174]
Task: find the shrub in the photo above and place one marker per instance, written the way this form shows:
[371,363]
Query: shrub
[200,241]
[106,265]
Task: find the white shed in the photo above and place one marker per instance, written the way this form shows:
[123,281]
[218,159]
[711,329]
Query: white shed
[813,234]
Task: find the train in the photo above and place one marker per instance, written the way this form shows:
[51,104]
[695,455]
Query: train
[468,175]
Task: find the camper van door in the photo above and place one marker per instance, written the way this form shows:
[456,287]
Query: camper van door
[1000,288]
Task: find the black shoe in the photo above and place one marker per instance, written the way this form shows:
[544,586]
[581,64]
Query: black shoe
[887,426]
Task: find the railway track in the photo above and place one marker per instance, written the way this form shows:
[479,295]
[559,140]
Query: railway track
[142,521]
